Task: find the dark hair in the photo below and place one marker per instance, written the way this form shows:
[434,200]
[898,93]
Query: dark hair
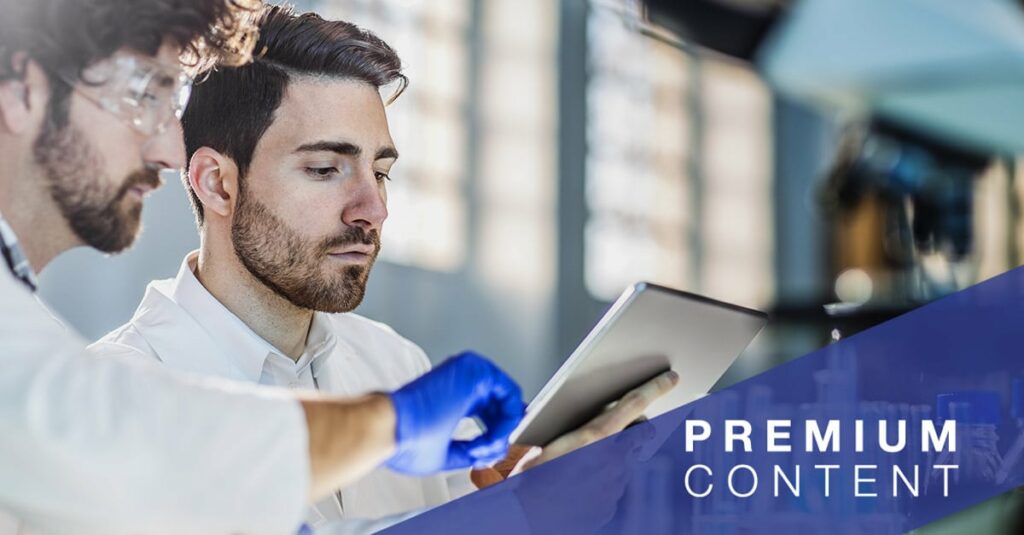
[233,107]
[67,36]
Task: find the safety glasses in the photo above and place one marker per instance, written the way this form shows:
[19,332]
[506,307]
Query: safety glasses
[147,95]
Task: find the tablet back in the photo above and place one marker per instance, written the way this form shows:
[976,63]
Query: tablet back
[648,330]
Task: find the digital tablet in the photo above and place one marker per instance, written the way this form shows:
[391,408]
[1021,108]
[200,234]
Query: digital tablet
[650,329]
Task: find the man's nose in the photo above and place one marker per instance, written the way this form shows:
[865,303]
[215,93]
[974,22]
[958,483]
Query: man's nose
[165,150]
[367,206]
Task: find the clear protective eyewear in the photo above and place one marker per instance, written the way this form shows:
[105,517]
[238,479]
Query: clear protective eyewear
[147,95]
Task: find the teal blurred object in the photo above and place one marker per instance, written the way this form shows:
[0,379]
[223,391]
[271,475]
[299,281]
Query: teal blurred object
[951,68]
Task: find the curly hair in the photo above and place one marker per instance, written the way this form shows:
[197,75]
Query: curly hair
[67,36]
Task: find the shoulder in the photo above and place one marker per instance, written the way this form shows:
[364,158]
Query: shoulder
[17,298]
[128,339]
[375,338]
[125,340]
[24,318]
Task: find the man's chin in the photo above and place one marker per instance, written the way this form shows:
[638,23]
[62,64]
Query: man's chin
[120,240]
[345,297]
[113,248]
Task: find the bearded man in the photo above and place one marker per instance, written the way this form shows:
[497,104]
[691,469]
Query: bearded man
[289,160]
[91,96]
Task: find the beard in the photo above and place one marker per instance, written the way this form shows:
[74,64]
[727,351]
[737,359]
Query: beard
[294,267]
[97,211]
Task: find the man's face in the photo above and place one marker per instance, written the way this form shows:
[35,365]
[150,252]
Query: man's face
[98,168]
[308,218]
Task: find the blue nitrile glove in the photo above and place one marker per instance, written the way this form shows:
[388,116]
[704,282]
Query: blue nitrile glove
[429,409]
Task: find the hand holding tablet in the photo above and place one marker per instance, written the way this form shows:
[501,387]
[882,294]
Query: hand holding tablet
[629,409]
[655,349]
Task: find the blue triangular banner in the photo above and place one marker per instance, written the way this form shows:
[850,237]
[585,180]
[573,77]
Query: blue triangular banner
[883,432]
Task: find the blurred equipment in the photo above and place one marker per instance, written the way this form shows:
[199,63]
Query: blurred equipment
[922,192]
[949,69]
[734,28]
[925,185]
[933,88]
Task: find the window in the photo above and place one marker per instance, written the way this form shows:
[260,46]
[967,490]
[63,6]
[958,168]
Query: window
[678,167]
[516,183]
[427,226]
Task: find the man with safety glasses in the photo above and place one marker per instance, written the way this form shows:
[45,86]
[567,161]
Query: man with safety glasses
[90,99]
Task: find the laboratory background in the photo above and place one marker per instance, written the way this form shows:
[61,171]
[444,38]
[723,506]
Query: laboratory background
[555,152]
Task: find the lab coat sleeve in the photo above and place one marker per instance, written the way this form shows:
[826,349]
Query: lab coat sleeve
[117,445]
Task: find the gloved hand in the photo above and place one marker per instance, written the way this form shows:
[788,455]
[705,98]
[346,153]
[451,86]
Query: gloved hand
[429,409]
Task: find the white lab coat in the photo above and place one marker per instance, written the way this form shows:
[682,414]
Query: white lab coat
[118,445]
[180,324]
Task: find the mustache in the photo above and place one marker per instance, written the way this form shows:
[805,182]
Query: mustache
[353,236]
[142,177]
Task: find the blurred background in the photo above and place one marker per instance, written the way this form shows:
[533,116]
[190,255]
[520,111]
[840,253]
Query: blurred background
[555,152]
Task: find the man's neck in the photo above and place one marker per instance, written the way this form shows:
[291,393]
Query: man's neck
[269,315]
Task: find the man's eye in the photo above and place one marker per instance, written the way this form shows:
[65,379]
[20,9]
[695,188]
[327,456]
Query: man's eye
[322,172]
[147,99]
[381,177]
[164,81]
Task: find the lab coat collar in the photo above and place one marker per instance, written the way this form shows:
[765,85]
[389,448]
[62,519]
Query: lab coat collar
[182,309]
[177,338]
[321,343]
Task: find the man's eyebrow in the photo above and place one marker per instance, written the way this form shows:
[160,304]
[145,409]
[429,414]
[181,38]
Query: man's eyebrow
[386,153]
[346,149]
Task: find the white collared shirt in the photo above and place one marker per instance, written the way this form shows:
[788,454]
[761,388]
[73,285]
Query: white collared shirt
[182,325]
[115,445]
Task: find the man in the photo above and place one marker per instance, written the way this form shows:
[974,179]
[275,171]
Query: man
[289,158]
[90,100]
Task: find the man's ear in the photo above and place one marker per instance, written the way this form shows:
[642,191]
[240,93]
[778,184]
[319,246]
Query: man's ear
[23,100]
[214,179]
